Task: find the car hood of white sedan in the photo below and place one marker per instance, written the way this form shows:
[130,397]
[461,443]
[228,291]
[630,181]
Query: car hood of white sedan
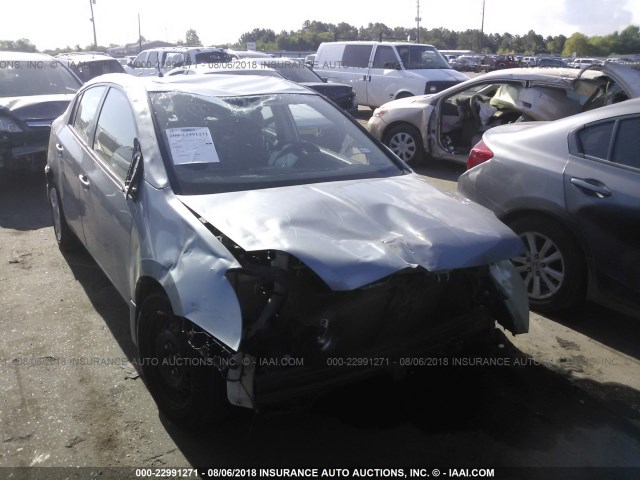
[352,233]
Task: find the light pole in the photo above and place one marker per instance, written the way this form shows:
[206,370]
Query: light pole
[482,26]
[418,21]
[93,22]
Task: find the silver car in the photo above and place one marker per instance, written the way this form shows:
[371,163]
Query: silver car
[447,124]
[264,242]
[571,190]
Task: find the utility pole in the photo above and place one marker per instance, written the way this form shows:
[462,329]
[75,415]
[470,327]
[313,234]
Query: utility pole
[93,21]
[418,21]
[482,27]
[139,35]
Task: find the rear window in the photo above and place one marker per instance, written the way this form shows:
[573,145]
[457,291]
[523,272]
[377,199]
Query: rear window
[86,70]
[212,57]
[20,78]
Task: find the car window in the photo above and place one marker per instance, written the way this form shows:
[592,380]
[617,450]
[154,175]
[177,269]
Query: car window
[419,57]
[21,78]
[356,56]
[295,71]
[174,59]
[596,139]
[219,144]
[385,58]
[212,57]
[115,133]
[626,150]
[86,113]
[140,61]
[87,70]
[152,59]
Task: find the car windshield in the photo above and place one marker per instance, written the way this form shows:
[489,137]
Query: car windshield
[21,78]
[222,144]
[295,71]
[419,57]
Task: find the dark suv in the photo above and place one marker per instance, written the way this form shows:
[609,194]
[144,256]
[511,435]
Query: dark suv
[34,90]
[87,65]
[500,62]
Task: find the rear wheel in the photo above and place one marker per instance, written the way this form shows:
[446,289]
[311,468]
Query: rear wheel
[406,142]
[187,390]
[553,267]
[66,239]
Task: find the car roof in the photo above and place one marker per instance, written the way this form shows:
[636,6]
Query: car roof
[534,74]
[183,49]
[221,68]
[211,85]
[84,56]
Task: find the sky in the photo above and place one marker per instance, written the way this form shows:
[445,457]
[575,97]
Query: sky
[50,24]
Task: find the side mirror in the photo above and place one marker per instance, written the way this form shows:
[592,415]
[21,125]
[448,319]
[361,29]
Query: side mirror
[134,174]
[392,65]
[324,79]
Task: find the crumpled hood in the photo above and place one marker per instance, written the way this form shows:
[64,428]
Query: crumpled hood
[353,233]
[36,107]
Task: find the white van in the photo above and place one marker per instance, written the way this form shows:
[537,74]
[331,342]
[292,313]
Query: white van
[383,71]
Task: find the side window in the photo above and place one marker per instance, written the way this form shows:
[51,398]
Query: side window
[356,56]
[115,133]
[596,139]
[84,120]
[385,58]
[140,61]
[626,150]
[152,59]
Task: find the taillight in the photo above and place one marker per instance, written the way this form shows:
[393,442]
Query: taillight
[479,154]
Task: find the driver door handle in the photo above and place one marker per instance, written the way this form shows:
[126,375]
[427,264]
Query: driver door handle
[84,180]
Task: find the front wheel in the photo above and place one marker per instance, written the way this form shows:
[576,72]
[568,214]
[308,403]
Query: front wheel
[553,267]
[406,142]
[188,391]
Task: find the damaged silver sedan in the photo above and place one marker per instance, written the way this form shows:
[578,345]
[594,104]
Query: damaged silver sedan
[264,240]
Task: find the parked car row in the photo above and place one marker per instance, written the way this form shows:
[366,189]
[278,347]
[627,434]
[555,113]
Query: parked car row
[448,124]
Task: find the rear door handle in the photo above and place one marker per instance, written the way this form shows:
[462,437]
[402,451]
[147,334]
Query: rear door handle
[60,149]
[84,180]
[591,187]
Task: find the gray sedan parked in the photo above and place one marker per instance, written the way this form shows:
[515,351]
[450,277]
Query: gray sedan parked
[264,242]
[571,189]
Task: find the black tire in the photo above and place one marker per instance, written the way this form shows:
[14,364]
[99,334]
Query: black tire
[188,392]
[65,238]
[406,142]
[556,281]
[403,95]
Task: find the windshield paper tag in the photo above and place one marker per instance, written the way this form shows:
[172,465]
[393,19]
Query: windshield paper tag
[192,145]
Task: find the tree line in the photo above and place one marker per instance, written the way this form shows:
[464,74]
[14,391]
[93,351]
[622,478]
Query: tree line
[313,33]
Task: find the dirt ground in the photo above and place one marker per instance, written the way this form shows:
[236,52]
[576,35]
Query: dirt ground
[565,395]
